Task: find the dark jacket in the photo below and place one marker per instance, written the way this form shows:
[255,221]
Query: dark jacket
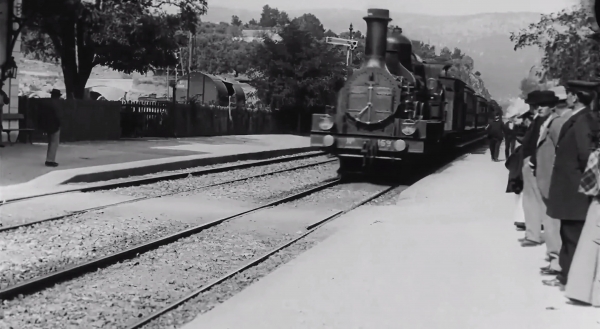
[509,134]
[529,141]
[575,143]
[514,164]
[494,130]
[48,117]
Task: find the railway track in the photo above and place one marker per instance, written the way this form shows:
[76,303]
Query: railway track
[149,180]
[256,261]
[22,290]
[44,281]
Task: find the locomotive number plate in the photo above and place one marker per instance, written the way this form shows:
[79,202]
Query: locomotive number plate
[384,143]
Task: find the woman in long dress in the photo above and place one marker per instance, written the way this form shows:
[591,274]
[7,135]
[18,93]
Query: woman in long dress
[514,164]
[583,286]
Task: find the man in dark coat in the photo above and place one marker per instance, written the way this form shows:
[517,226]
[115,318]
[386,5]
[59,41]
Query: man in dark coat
[575,142]
[510,137]
[51,126]
[533,205]
[495,135]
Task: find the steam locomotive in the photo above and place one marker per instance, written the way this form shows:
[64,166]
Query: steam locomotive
[398,108]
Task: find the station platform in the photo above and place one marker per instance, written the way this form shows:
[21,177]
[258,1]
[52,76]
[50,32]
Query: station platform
[22,165]
[446,256]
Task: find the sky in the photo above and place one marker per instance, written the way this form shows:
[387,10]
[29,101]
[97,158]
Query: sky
[432,7]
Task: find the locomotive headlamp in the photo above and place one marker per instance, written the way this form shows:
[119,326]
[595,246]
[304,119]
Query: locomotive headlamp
[399,145]
[432,84]
[328,141]
[408,128]
[326,122]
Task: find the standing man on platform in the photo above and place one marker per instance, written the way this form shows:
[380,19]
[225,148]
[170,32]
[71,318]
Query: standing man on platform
[565,202]
[510,137]
[52,128]
[533,205]
[543,163]
[495,135]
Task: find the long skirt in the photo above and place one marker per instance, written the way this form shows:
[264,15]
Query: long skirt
[519,212]
[584,274]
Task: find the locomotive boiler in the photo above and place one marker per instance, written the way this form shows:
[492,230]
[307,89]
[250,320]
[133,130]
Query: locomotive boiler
[398,108]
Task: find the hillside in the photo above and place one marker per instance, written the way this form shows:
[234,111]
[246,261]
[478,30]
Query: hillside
[484,37]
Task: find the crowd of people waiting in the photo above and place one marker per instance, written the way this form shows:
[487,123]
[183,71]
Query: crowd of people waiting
[555,173]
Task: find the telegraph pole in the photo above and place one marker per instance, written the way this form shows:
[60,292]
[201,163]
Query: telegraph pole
[190,49]
[350,52]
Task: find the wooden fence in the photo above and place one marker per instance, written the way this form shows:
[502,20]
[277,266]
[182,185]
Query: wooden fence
[81,120]
[102,120]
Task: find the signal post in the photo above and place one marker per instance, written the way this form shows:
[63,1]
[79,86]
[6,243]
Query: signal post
[351,44]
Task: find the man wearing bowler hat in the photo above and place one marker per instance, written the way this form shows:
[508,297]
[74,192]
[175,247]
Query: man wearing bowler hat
[543,163]
[533,206]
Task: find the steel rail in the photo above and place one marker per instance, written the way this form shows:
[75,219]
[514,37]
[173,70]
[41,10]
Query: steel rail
[167,176]
[78,212]
[36,284]
[310,229]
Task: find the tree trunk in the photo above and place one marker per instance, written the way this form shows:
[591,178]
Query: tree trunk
[77,58]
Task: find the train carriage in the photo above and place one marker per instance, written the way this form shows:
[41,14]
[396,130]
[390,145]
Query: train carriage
[397,107]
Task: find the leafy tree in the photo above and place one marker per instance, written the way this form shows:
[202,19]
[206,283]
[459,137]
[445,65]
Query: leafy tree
[272,17]
[457,54]
[357,35]
[566,39]
[236,21]
[297,73]
[135,35]
[445,54]
[216,50]
[251,24]
[330,33]
[311,24]
[423,50]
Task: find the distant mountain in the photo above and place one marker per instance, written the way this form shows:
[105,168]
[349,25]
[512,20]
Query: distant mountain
[484,37]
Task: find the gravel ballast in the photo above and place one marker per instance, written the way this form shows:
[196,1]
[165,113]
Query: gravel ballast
[195,169]
[119,294]
[32,251]
[227,289]
[220,293]
[191,182]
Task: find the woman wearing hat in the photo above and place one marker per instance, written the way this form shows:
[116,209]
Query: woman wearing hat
[514,164]
[533,205]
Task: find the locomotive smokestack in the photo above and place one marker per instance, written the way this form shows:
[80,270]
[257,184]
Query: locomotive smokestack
[375,44]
